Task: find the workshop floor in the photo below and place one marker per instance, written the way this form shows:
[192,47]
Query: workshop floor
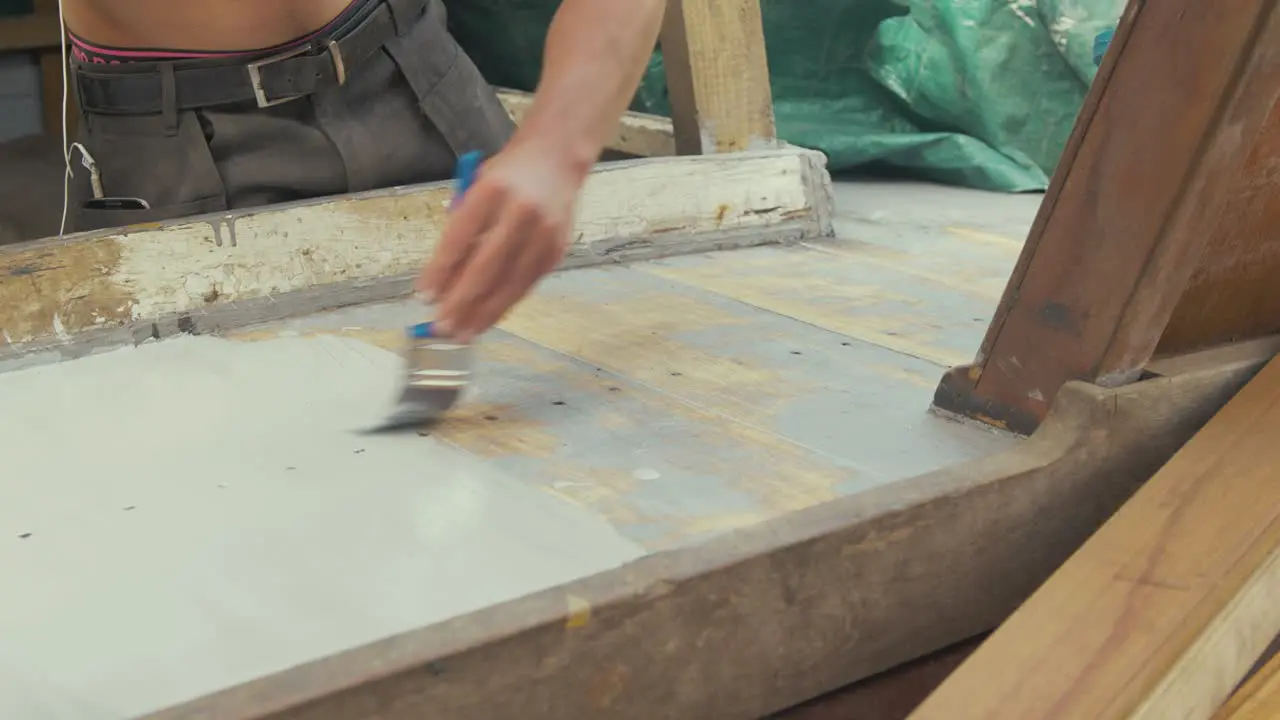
[688,396]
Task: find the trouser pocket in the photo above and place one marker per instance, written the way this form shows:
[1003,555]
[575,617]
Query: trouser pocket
[164,163]
[452,93]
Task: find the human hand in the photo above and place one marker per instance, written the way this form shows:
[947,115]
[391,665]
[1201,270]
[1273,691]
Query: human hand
[510,229]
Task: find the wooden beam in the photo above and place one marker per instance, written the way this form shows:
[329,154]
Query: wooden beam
[156,279]
[638,134]
[758,620]
[717,76]
[1233,294]
[1163,611]
[1148,171]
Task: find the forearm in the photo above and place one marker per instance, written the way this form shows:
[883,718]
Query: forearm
[596,53]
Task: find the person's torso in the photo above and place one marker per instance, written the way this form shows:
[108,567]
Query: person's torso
[210,25]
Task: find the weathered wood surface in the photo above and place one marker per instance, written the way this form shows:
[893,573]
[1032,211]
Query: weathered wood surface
[639,134]
[662,398]
[1148,173]
[717,76]
[802,604]
[154,280]
[1164,610]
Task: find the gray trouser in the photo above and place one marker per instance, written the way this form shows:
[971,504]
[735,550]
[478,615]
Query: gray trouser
[401,116]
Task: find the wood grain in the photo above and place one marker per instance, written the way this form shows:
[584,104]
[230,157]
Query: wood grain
[1233,294]
[638,134]
[802,604]
[1166,607]
[1150,169]
[149,273]
[1258,699]
[717,76]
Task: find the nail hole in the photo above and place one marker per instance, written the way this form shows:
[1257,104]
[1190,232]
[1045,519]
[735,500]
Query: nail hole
[558,402]
[24,536]
[130,507]
[796,352]
[614,388]
[846,344]
[677,374]
[490,417]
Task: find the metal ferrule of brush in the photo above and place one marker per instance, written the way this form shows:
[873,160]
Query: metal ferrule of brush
[438,362]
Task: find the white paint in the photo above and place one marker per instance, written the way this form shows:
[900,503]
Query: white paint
[639,134]
[645,473]
[199,514]
[59,329]
[370,236]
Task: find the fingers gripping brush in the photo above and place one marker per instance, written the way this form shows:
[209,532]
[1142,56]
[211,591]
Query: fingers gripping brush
[438,368]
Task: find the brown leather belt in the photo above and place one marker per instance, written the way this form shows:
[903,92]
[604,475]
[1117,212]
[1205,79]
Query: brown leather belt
[155,87]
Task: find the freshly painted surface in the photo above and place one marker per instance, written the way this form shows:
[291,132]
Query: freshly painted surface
[195,513]
[688,396]
[667,400]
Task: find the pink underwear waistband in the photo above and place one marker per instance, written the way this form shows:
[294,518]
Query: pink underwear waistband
[87,52]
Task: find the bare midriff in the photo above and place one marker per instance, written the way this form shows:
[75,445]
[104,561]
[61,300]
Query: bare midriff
[208,26]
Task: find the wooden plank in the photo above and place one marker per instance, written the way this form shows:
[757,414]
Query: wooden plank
[878,296]
[717,76]
[638,134]
[1138,193]
[1258,699]
[763,391]
[1233,294]
[803,604]
[1164,610]
[151,280]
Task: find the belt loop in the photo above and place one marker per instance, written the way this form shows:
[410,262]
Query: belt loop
[169,98]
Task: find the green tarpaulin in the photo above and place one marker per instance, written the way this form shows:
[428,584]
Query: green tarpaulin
[981,93]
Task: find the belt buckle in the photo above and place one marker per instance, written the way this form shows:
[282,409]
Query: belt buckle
[255,71]
[255,76]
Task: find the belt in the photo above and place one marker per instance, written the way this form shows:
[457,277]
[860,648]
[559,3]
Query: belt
[151,87]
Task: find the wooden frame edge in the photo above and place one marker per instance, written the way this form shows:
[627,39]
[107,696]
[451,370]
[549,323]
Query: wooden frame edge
[62,294]
[638,134]
[856,586]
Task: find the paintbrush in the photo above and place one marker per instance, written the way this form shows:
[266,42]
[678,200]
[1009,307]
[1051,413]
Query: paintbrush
[438,368]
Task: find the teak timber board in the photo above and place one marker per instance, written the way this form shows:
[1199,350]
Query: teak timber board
[1166,607]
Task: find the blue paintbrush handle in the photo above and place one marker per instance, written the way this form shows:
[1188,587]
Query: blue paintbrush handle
[464,175]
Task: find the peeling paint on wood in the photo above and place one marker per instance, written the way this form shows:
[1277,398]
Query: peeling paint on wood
[643,208]
[639,134]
